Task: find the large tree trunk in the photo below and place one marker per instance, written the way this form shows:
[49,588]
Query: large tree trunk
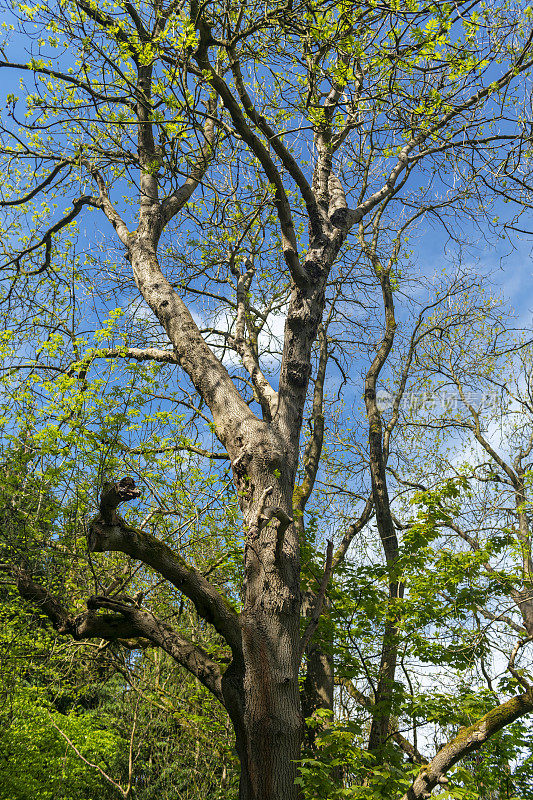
[317,692]
[264,707]
[266,715]
[319,685]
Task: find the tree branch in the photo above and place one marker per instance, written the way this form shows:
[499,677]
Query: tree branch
[84,626]
[46,182]
[108,532]
[277,145]
[106,777]
[172,204]
[352,531]
[128,622]
[267,396]
[138,354]
[281,202]
[404,162]
[46,240]
[189,655]
[313,449]
[467,741]
[367,703]
[71,79]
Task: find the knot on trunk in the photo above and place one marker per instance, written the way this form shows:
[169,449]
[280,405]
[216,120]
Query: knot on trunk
[298,373]
[339,218]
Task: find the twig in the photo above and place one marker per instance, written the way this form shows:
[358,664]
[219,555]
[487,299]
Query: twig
[89,763]
[511,667]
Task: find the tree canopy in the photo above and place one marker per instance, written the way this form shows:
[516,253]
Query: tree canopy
[219,311]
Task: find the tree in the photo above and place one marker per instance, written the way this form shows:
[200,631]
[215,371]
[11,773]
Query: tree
[205,132]
[477,376]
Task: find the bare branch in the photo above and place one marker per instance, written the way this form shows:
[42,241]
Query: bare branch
[71,79]
[109,532]
[128,622]
[106,777]
[405,160]
[173,448]
[46,240]
[316,217]
[511,665]
[104,203]
[367,702]
[313,449]
[84,626]
[140,354]
[268,398]
[281,202]
[175,202]
[189,655]
[352,531]
[46,182]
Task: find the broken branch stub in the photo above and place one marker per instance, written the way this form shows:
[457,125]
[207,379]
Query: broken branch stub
[113,494]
